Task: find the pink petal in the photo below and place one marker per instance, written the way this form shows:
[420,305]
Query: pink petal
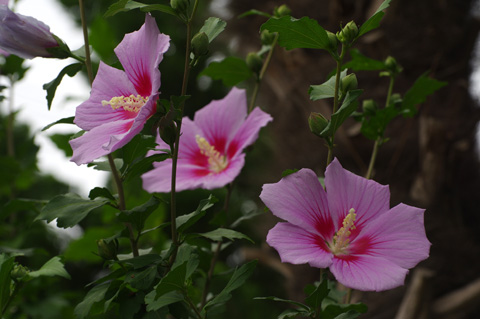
[93,144]
[140,52]
[220,119]
[368,273]
[346,190]
[299,198]
[399,236]
[297,246]
[248,131]
[108,83]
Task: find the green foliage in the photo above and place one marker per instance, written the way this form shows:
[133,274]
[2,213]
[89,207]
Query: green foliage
[138,215]
[212,27]
[325,90]
[360,62]
[51,87]
[61,141]
[417,94]
[186,221]
[127,5]
[6,266]
[220,233]
[374,21]
[231,71]
[53,267]
[66,120]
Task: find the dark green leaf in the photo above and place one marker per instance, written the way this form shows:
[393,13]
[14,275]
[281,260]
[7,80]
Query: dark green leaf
[174,280]
[289,172]
[231,71]
[359,62]
[293,313]
[51,87]
[325,90]
[101,192]
[373,126]
[351,314]
[66,120]
[295,303]
[137,148]
[349,105]
[315,297]
[254,12]
[374,21]
[20,204]
[69,209]
[165,300]
[417,94]
[53,267]
[333,310]
[185,221]
[213,27]
[127,5]
[141,280]
[220,233]
[143,260]
[61,141]
[187,253]
[138,215]
[238,279]
[158,7]
[96,294]
[298,33]
[6,266]
[143,165]
[105,165]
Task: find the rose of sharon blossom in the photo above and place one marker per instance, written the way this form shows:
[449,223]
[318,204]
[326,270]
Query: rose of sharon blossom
[349,228]
[24,36]
[121,102]
[211,146]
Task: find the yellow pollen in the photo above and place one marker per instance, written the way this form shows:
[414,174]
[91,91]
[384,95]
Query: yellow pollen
[216,161]
[341,239]
[130,103]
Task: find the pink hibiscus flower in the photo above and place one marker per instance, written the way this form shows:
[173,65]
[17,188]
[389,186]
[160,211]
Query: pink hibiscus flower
[349,228]
[121,102]
[211,146]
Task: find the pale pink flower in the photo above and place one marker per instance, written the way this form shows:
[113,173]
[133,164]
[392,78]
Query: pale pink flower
[211,146]
[121,102]
[348,228]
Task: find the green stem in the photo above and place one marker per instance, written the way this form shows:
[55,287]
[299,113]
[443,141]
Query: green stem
[336,100]
[349,295]
[88,62]
[173,198]
[191,304]
[262,74]
[16,288]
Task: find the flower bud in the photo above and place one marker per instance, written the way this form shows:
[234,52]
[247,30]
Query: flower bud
[180,6]
[348,83]
[348,33]
[24,36]
[281,11]
[392,66]
[317,123]
[18,272]
[200,44]
[369,107]
[267,37]
[107,250]
[254,62]
[167,129]
[332,38]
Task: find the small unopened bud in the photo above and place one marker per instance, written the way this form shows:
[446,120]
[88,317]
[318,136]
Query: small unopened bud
[332,38]
[317,123]
[267,37]
[392,66]
[180,6]
[200,44]
[282,11]
[107,250]
[254,62]
[349,83]
[18,272]
[369,107]
[348,33]
[167,129]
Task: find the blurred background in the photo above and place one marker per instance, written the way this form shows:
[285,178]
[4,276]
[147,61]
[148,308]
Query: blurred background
[430,161]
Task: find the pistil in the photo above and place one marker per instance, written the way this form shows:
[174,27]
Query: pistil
[130,103]
[341,239]
[216,161]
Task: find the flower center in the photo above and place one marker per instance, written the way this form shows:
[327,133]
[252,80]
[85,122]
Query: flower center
[341,238]
[216,161]
[130,103]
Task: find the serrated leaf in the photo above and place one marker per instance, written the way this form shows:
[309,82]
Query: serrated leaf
[127,5]
[360,62]
[325,90]
[254,12]
[96,294]
[374,21]
[417,94]
[101,192]
[213,27]
[220,233]
[231,71]
[165,300]
[174,280]
[141,280]
[6,266]
[69,209]
[66,120]
[349,105]
[51,87]
[298,33]
[238,278]
[138,215]
[143,165]
[374,126]
[53,267]
[185,221]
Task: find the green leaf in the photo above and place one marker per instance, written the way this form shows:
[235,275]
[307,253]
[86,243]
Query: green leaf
[141,280]
[325,90]
[417,94]
[53,267]
[101,192]
[374,21]
[374,126]
[165,300]
[51,87]
[6,266]
[293,313]
[238,279]
[105,165]
[298,33]
[143,260]
[69,209]
[127,5]
[289,172]
[20,204]
[66,120]
[295,303]
[158,7]
[254,12]
[333,310]
[143,165]
[137,148]
[187,253]
[213,27]
[360,62]
[315,297]
[138,215]
[349,105]
[220,233]
[174,280]
[185,221]
[96,294]
[61,141]
[231,71]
